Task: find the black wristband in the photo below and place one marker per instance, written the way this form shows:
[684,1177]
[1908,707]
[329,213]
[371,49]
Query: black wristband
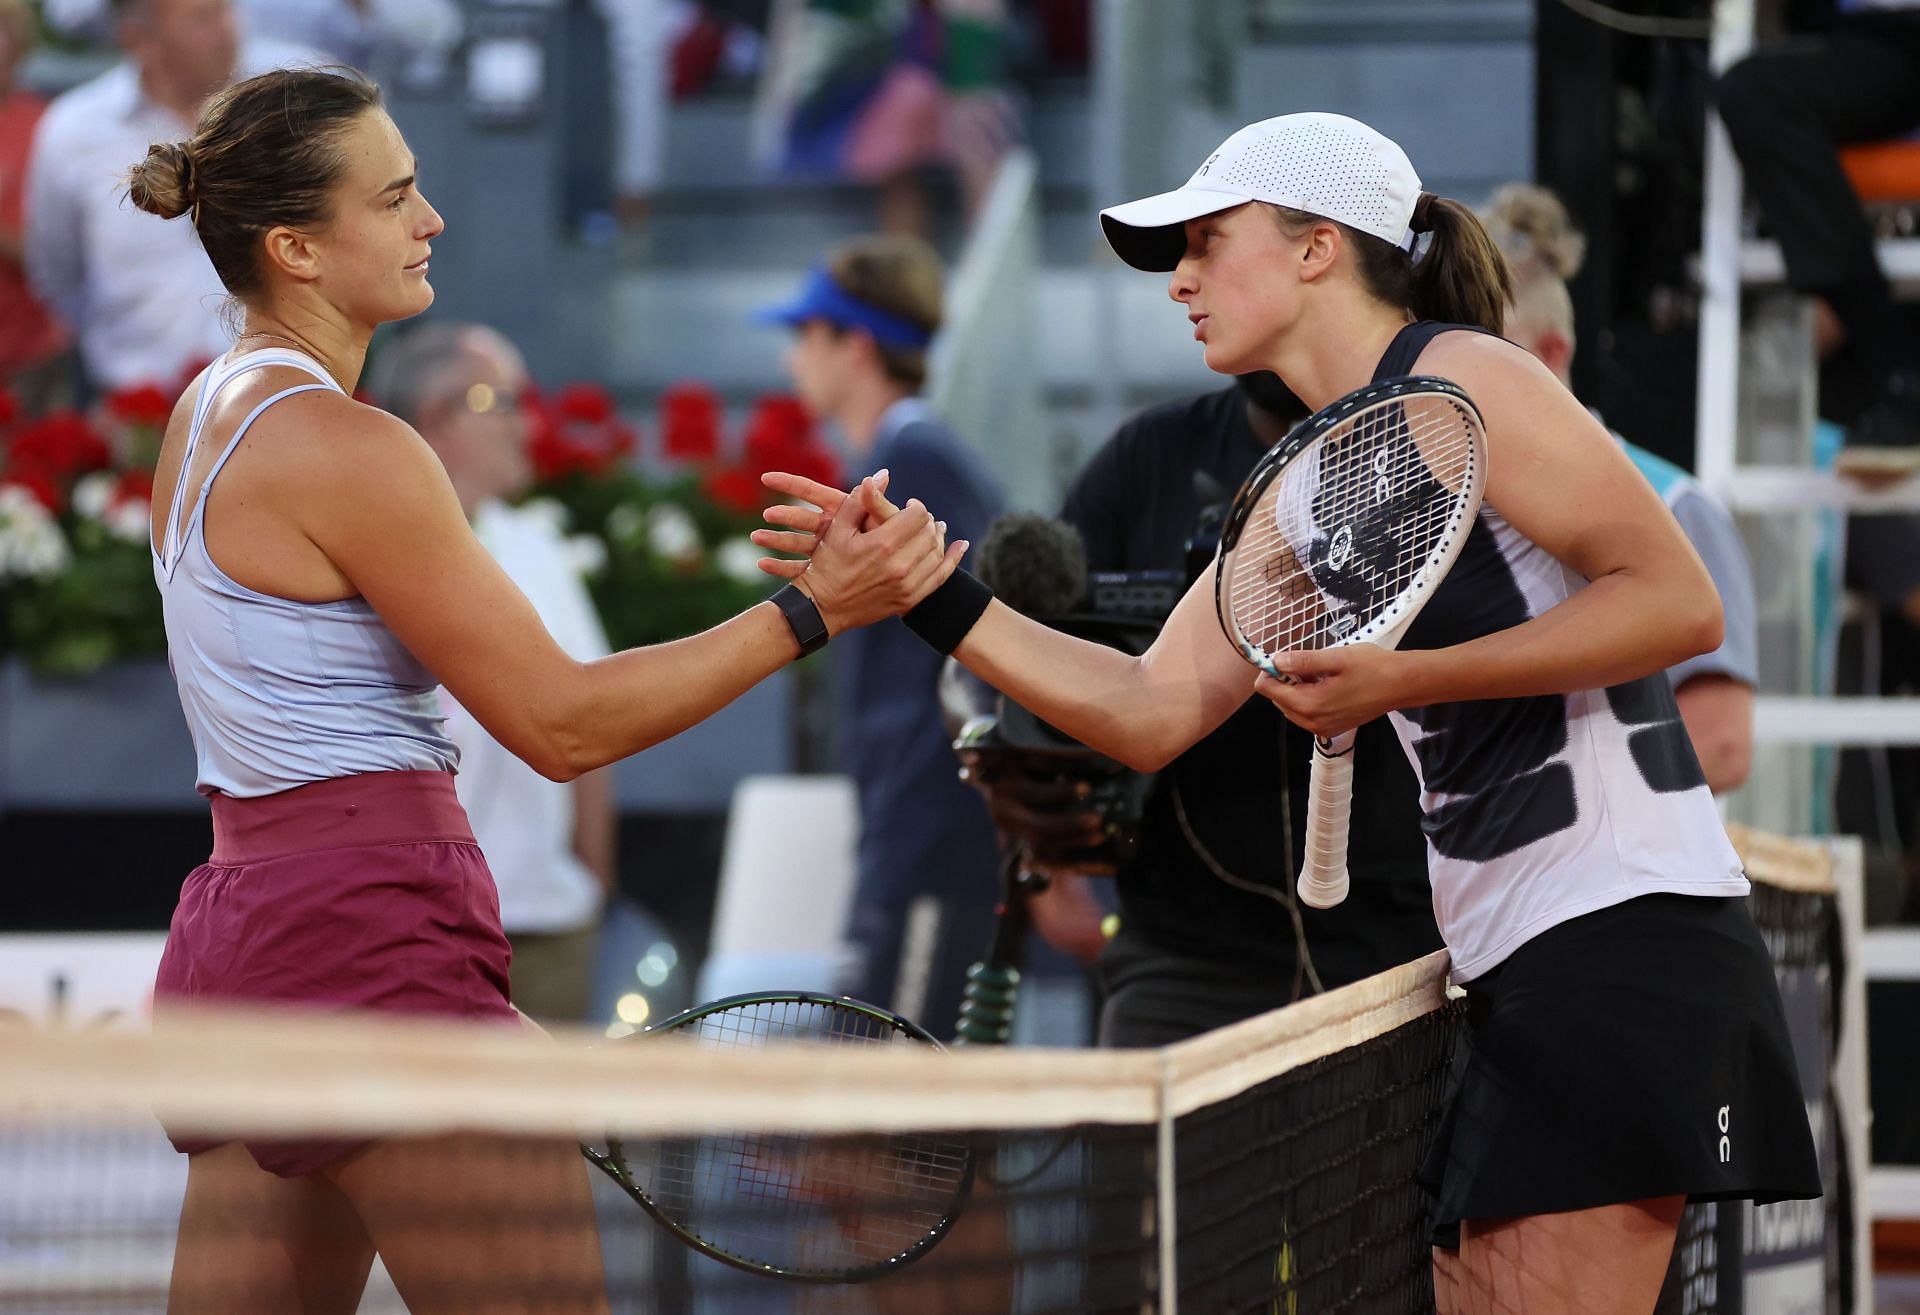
[803,615]
[944,616]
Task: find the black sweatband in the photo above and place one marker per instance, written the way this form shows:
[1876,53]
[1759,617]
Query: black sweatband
[944,616]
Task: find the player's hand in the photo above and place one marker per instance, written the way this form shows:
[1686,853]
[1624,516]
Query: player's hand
[801,524]
[856,577]
[1337,689]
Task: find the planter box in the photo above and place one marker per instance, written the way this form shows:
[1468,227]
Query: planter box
[117,741]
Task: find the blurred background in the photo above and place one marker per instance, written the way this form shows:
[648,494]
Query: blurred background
[625,182]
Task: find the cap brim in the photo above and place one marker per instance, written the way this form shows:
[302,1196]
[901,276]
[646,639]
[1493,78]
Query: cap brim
[1149,233]
[786,315]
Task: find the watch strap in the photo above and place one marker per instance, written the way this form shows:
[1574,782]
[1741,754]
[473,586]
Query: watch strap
[809,627]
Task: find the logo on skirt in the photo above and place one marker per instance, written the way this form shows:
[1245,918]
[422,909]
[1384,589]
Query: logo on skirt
[1726,1142]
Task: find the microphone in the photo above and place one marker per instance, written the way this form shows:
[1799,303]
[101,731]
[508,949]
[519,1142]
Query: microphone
[1034,564]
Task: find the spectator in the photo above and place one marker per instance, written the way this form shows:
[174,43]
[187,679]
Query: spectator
[363,33]
[360,33]
[640,36]
[29,337]
[879,98]
[1788,110]
[1714,690]
[862,324]
[138,294]
[550,845]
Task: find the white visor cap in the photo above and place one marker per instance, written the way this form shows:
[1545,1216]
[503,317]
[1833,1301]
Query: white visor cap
[1325,164]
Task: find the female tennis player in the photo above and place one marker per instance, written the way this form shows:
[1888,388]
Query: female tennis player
[1627,1049]
[319,581]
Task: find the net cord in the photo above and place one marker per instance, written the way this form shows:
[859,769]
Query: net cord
[231,1072]
[1778,861]
[227,1072]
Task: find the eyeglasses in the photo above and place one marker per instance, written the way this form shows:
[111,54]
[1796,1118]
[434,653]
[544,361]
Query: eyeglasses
[485,399]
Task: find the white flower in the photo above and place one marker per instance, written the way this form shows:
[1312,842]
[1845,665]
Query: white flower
[549,512]
[18,500]
[739,560]
[131,520]
[589,555]
[31,547]
[671,532]
[93,494]
[625,522]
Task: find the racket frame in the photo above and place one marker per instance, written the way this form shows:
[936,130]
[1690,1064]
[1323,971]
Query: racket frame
[1386,628]
[1323,877]
[612,1163]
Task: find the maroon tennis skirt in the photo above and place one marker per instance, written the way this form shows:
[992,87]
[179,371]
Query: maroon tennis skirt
[362,892]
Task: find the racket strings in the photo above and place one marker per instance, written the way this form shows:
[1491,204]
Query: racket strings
[797,1203]
[1345,528]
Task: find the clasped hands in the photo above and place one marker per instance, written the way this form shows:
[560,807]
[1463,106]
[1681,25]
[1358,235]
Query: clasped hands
[860,557]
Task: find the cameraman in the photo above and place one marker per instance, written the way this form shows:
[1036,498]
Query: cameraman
[1210,930]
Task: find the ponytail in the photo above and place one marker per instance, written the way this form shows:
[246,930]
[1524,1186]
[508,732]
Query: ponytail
[1462,278]
[1459,278]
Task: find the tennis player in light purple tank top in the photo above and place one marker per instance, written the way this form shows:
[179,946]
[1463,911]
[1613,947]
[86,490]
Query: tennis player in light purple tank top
[319,581]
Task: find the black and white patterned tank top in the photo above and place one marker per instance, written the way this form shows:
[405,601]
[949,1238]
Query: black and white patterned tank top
[1540,809]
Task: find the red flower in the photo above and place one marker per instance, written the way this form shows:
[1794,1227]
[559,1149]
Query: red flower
[60,445]
[9,408]
[737,490]
[584,403]
[554,456]
[134,486]
[779,420]
[145,404]
[577,431]
[689,423]
[38,484]
[815,463]
[781,436]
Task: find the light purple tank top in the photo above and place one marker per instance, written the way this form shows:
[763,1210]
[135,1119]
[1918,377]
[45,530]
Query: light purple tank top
[281,693]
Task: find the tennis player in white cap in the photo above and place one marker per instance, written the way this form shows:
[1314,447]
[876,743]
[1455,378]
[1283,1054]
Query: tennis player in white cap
[1626,1050]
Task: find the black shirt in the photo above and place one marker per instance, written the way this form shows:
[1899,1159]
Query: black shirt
[1244,787]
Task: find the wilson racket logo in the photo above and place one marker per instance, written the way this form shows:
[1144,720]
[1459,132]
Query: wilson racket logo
[1340,551]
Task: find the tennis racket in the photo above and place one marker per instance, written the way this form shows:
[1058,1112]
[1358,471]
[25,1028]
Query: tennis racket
[821,1209]
[1340,536]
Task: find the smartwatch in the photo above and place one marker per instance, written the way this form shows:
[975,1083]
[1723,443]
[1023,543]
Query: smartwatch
[809,627]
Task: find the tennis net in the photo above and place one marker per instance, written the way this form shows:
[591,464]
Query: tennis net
[1268,1167]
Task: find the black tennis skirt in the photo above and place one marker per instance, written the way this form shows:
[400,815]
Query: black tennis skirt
[1638,1051]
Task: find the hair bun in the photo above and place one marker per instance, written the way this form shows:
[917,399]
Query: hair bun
[163,183]
[1530,222]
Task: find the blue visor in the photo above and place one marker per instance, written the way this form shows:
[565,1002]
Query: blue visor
[821,298]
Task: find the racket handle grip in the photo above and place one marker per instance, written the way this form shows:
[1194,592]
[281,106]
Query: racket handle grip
[1323,877]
